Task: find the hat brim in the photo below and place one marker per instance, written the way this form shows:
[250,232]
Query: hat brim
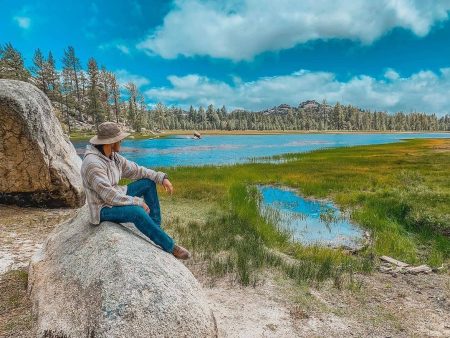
[96,140]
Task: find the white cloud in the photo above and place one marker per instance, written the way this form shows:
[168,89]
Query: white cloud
[116,45]
[23,21]
[391,74]
[123,77]
[424,91]
[124,49]
[241,29]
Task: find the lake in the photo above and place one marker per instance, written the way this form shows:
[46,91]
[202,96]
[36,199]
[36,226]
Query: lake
[183,150]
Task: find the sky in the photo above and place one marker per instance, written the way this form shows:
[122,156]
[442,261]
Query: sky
[384,55]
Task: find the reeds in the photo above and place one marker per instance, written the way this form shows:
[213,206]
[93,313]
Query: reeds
[241,242]
[399,192]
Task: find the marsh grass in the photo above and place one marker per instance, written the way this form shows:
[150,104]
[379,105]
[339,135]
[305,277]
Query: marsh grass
[399,192]
[240,241]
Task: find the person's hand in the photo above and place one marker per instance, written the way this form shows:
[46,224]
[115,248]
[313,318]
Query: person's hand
[168,186]
[146,208]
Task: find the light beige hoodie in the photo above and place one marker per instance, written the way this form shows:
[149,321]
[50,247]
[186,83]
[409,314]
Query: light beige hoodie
[101,176]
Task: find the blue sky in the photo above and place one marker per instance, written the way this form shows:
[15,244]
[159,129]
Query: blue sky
[391,55]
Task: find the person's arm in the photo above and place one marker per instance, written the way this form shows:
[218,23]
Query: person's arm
[100,183]
[134,171]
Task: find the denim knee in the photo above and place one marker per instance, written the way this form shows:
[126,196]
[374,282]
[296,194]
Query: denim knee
[139,213]
[149,182]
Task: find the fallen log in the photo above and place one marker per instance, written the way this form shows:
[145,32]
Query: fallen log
[394,261]
[418,269]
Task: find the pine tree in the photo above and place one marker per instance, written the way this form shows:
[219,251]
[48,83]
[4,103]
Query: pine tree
[105,91]
[133,114]
[223,112]
[338,117]
[72,66]
[52,77]
[160,112]
[12,64]
[141,118]
[38,70]
[115,95]
[192,114]
[201,118]
[83,81]
[66,90]
[94,105]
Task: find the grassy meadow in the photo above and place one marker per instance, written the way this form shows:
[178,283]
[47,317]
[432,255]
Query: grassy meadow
[399,192]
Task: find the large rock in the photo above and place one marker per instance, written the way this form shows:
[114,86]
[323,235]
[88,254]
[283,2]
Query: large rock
[38,164]
[109,281]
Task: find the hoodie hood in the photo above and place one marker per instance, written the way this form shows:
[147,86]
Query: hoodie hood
[91,150]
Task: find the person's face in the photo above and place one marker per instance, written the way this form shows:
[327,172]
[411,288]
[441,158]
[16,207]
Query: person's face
[116,147]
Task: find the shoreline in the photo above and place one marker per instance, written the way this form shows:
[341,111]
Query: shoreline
[139,136]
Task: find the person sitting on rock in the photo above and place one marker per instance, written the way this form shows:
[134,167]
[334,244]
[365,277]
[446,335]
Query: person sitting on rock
[101,170]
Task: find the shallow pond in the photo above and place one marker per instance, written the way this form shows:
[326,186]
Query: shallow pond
[309,221]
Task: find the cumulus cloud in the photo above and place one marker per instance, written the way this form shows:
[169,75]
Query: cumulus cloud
[424,91]
[123,77]
[241,29]
[23,21]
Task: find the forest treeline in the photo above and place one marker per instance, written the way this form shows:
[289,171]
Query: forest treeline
[88,95]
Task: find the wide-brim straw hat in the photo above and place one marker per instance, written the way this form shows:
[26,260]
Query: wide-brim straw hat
[108,133]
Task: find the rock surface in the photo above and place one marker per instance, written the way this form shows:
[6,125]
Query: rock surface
[38,164]
[109,281]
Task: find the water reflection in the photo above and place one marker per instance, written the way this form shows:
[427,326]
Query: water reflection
[308,221]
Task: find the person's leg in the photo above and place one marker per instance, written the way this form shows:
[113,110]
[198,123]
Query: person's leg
[137,215]
[147,188]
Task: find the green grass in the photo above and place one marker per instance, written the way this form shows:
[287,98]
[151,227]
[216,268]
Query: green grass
[79,136]
[400,192]
[238,240]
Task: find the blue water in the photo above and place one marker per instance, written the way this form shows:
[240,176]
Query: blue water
[309,222]
[229,149]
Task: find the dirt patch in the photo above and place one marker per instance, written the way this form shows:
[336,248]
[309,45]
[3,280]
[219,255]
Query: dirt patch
[381,305]
[22,232]
[251,312]
[375,305]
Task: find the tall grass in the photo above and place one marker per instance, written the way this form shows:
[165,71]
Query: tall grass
[240,241]
[399,192]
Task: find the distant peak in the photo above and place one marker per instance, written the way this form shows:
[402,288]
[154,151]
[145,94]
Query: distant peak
[281,109]
[309,104]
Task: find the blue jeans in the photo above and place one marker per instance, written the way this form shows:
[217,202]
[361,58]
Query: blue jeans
[148,224]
